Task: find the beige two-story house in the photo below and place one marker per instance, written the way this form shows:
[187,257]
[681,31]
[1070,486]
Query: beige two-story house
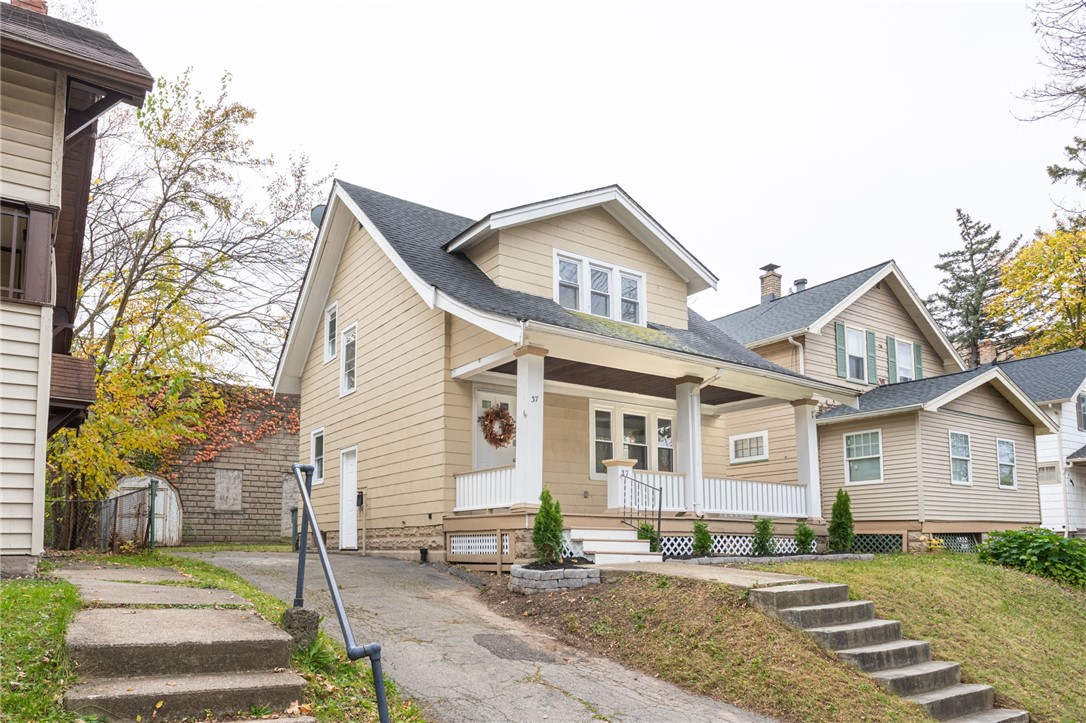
[449,368]
[930,449]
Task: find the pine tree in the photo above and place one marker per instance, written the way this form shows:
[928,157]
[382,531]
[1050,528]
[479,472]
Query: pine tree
[547,530]
[970,281]
[841,531]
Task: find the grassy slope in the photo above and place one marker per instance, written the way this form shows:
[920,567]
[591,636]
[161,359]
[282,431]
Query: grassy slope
[704,637]
[1024,635]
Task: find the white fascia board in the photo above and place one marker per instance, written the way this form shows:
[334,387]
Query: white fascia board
[870,415]
[484,364]
[613,199]
[798,388]
[890,269]
[1013,393]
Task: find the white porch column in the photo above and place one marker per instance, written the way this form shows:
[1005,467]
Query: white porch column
[807,454]
[686,436]
[528,477]
[616,468]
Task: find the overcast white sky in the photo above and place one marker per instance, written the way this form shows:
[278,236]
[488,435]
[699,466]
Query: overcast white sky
[823,137]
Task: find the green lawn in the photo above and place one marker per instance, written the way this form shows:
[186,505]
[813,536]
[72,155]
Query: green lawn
[1022,634]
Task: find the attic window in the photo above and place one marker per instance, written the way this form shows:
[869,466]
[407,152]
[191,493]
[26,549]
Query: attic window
[598,288]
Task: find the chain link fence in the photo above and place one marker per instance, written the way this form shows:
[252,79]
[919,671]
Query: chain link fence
[113,524]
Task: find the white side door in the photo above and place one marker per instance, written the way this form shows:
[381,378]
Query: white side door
[348,499]
[487,456]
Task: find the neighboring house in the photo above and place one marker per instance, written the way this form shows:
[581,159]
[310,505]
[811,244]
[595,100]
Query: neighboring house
[236,486]
[930,449]
[57,80]
[571,314]
[1057,383]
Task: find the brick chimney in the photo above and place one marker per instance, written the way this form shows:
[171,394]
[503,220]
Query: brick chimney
[771,283]
[986,350]
[35,6]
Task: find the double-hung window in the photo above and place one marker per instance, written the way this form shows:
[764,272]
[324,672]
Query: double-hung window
[961,459]
[751,447]
[316,454]
[906,364]
[330,336]
[1008,465]
[599,288]
[348,364]
[863,456]
[856,349]
[1080,411]
[644,436]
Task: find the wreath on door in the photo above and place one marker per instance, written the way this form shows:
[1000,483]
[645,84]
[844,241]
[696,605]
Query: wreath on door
[499,428]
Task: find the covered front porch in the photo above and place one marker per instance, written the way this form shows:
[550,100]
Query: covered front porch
[609,426]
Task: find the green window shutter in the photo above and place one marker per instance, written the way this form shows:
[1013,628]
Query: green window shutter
[918,361]
[842,362]
[872,362]
[891,359]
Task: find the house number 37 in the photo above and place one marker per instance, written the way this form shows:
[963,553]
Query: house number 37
[535,398]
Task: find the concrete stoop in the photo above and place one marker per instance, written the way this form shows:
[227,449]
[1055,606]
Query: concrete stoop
[903,667]
[166,664]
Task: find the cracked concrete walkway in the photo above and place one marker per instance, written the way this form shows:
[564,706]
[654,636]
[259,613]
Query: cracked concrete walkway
[462,662]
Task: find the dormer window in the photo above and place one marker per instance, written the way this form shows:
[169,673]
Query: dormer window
[600,289]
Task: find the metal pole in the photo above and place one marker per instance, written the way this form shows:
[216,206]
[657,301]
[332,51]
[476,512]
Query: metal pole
[293,529]
[303,540]
[151,522]
[379,681]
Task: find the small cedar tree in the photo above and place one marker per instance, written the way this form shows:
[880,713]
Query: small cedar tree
[703,541]
[763,545]
[805,538]
[841,531]
[547,530]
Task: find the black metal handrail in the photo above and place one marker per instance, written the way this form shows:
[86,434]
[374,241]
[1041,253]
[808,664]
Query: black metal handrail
[641,503]
[354,651]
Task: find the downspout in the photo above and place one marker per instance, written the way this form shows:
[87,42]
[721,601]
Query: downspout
[1060,464]
[796,344]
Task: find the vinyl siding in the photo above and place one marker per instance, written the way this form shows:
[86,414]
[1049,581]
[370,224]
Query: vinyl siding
[396,414]
[985,415]
[896,497]
[522,259]
[468,343]
[879,311]
[31,137]
[22,424]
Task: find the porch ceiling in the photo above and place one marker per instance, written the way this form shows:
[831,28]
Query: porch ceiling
[622,380]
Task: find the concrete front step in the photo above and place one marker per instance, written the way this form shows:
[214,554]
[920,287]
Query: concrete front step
[995,715]
[223,694]
[577,534]
[621,546]
[610,558]
[172,641]
[898,654]
[955,701]
[806,594]
[857,635]
[919,678]
[816,616]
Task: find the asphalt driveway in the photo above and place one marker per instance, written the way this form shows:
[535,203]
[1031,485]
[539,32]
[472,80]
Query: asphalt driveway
[462,662]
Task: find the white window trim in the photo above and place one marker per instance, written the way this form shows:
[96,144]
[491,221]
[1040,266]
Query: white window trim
[584,288]
[912,360]
[343,390]
[332,308]
[848,369]
[1014,447]
[844,458]
[969,459]
[764,434]
[313,454]
[617,409]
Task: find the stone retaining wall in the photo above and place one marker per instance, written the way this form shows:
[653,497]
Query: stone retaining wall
[528,582]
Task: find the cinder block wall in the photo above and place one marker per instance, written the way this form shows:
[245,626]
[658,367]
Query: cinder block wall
[243,495]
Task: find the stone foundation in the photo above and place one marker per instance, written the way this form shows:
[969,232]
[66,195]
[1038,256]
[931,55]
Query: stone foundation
[18,565]
[529,582]
[916,541]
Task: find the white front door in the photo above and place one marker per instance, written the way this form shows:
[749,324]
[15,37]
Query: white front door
[348,499]
[487,456]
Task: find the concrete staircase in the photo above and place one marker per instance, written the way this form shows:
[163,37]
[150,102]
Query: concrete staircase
[172,663]
[903,667]
[613,546]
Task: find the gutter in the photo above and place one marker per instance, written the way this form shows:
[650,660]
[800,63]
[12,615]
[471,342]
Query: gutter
[871,414]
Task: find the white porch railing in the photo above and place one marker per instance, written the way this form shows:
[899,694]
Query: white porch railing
[484,488]
[670,484]
[748,498]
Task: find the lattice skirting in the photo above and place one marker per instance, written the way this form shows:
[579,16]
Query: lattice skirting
[570,548]
[725,545]
[876,544]
[959,542]
[482,543]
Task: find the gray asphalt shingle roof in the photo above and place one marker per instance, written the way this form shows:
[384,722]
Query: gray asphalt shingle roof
[76,40]
[903,395]
[1050,377]
[419,233]
[794,312]
[1079,454]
